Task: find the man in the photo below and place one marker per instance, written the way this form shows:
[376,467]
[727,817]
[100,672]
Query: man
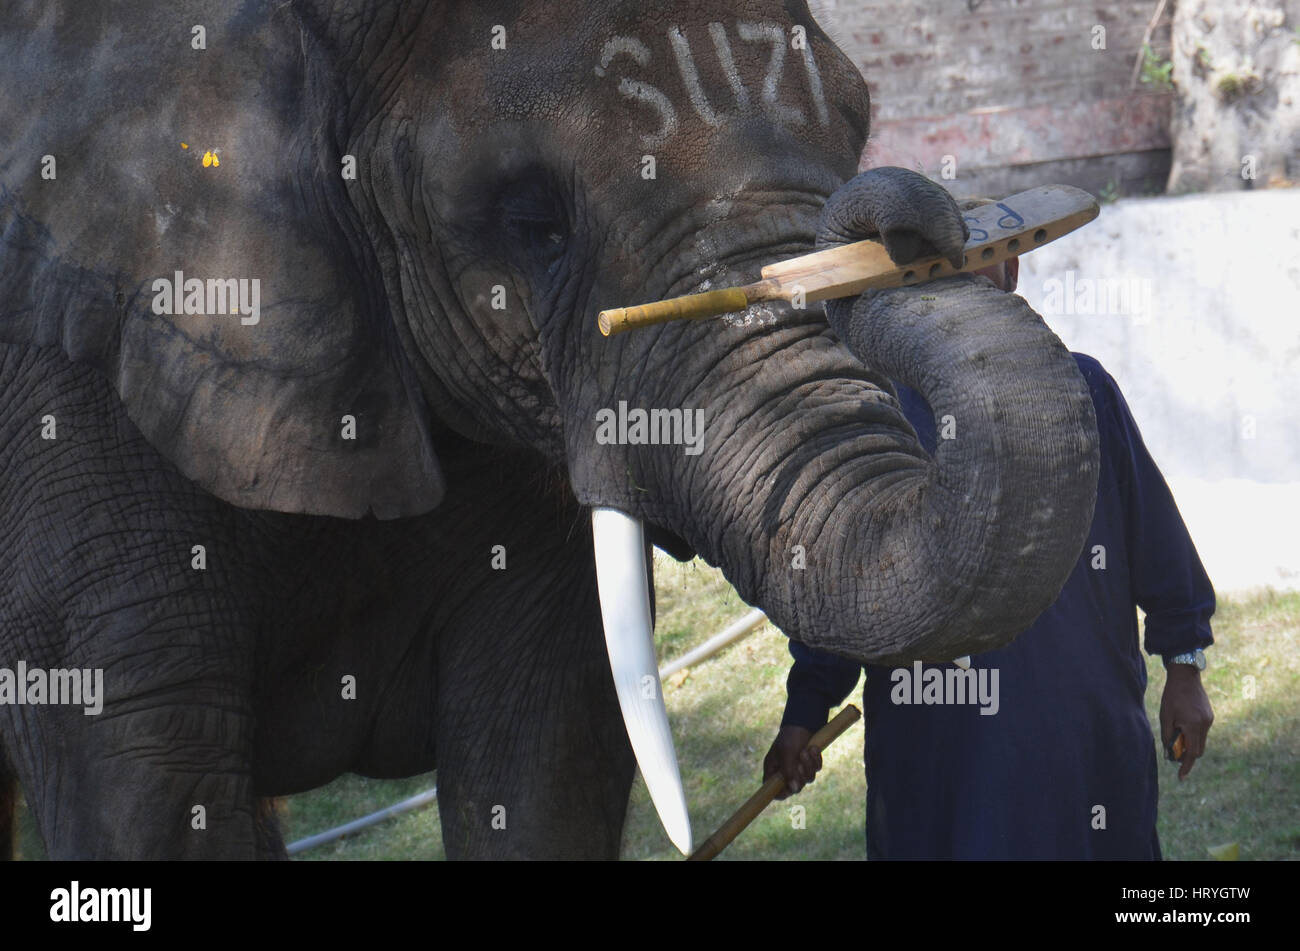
[1052,756]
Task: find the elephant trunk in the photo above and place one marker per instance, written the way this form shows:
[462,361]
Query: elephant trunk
[983,536]
[819,504]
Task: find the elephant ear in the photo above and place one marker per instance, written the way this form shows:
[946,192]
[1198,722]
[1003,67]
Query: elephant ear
[130,155]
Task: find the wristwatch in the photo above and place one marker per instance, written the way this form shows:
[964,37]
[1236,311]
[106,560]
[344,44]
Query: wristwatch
[1196,658]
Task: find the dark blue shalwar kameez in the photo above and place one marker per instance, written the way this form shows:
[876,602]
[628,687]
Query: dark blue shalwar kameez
[1070,733]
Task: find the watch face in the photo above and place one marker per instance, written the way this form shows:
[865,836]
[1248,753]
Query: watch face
[1194,658]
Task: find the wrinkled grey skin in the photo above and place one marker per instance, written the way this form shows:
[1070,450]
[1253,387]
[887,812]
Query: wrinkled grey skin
[475,427]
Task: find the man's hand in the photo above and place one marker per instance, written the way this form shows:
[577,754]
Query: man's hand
[793,758]
[1184,706]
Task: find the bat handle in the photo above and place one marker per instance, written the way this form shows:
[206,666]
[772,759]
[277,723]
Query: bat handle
[770,790]
[690,307]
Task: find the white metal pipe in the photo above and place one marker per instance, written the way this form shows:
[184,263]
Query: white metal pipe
[732,632]
[388,812]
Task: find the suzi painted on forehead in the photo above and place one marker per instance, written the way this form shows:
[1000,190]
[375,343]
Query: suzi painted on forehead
[765,32]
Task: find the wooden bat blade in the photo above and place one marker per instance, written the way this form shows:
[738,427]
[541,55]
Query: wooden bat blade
[998,231]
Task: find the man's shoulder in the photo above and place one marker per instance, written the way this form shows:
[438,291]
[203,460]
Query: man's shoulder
[1090,367]
[1101,384]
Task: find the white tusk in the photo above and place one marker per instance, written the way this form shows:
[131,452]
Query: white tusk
[963,661]
[624,588]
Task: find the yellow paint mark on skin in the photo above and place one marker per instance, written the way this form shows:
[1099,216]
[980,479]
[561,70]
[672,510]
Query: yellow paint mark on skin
[210,159]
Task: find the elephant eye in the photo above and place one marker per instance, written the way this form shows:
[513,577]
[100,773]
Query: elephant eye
[535,222]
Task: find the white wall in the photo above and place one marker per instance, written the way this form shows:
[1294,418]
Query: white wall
[1207,353]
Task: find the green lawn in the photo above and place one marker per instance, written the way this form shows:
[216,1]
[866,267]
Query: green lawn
[725,712]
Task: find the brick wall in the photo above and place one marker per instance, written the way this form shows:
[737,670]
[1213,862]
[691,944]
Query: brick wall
[1012,90]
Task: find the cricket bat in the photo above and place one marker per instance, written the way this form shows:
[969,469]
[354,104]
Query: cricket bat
[998,231]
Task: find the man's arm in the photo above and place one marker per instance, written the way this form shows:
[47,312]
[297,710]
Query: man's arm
[817,682]
[1169,582]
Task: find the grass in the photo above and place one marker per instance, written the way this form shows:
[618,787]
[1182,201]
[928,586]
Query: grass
[1156,72]
[725,712]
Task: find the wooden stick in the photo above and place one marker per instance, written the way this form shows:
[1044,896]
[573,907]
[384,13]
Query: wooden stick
[998,231]
[770,790]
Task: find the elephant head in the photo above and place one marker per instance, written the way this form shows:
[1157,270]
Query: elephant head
[436,199]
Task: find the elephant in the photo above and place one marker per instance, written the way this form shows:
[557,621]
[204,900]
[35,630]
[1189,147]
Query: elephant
[305,396]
